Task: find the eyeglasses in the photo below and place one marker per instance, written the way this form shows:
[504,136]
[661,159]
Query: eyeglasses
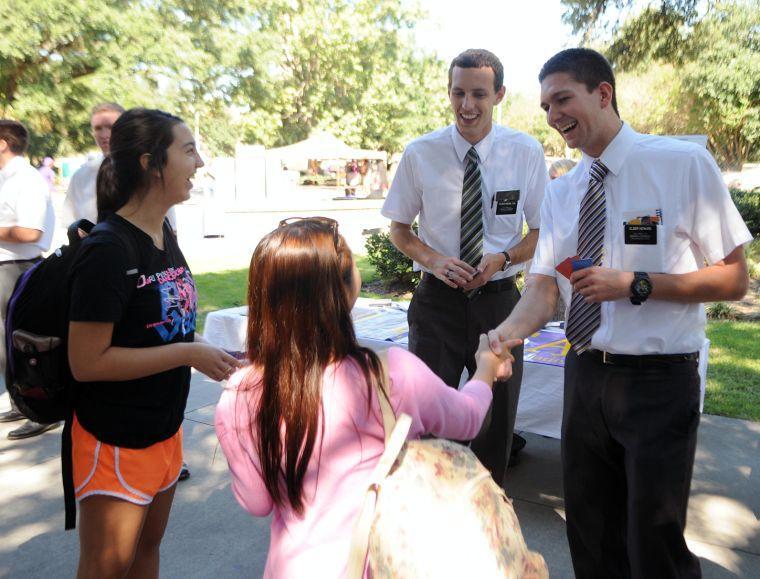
[330,224]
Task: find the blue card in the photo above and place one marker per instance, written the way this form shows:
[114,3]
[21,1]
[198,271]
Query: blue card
[582,263]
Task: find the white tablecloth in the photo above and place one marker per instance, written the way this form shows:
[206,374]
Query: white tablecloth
[380,324]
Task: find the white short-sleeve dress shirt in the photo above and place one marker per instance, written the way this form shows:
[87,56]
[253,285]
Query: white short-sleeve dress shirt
[25,202]
[668,211]
[428,184]
[80,202]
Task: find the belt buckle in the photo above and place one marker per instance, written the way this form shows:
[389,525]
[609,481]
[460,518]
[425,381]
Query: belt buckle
[604,358]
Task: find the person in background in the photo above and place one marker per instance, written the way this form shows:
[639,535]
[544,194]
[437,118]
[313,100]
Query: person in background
[47,170]
[655,234]
[560,167]
[300,426]
[131,346]
[80,201]
[27,222]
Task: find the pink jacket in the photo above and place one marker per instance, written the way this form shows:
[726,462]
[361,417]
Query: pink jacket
[317,543]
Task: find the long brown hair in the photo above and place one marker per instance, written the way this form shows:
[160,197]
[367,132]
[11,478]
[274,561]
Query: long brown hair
[299,322]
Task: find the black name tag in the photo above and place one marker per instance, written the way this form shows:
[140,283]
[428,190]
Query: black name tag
[640,234]
[506,202]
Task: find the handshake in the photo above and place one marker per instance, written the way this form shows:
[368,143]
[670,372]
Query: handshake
[494,357]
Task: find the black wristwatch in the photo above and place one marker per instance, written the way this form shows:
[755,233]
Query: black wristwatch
[641,287]
[507,261]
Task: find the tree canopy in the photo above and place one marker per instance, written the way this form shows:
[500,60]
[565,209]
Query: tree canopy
[257,71]
[692,67]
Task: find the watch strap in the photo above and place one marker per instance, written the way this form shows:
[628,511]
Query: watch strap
[507,260]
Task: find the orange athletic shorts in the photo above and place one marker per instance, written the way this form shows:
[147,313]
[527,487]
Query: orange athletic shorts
[131,474]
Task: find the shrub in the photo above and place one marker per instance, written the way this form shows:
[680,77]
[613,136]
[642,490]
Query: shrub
[720,311]
[752,255]
[391,265]
[748,204]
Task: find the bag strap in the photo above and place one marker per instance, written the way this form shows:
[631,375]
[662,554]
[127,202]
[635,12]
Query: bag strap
[383,397]
[396,431]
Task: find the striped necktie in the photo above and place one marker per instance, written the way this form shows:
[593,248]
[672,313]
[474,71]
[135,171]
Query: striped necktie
[584,318]
[471,231]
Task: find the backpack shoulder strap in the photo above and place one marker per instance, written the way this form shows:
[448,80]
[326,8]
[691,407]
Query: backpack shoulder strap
[134,254]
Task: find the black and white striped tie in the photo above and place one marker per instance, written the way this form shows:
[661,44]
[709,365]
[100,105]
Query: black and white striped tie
[584,318]
[471,232]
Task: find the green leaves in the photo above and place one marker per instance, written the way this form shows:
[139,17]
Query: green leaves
[260,71]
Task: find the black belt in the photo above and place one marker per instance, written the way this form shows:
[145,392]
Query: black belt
[640,361]
[492,287]
[12,261]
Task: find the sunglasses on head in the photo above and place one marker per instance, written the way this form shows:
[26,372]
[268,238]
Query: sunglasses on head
[330,224]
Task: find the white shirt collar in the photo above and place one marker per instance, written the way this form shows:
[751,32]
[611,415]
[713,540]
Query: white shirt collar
[616,151]
[13,166]
[462,145]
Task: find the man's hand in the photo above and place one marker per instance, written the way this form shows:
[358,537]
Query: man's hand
[452,271]
[489,264]
[502,345]
[602,284]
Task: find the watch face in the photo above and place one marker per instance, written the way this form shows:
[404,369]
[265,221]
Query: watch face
[643,287]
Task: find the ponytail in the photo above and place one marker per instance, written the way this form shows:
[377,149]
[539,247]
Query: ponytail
[109,199]
[121,176]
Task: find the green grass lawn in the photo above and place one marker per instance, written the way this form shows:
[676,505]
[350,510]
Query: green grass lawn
[733,376]
[220,290]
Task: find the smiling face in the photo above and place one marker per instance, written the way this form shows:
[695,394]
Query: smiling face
[182,160]
[101,123]
[586,120]
[473,98]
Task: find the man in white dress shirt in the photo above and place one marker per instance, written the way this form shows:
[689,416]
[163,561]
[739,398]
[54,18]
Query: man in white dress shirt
[472,185]
[27,222]
[635,238]
[80,202]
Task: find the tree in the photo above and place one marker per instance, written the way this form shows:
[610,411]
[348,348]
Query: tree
[53,69]
[722,81]
[713,86]
[348,66]
[264,71]
[665,16]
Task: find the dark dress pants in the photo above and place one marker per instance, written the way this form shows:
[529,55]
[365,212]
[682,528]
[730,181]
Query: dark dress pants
[628,441]
[444,327]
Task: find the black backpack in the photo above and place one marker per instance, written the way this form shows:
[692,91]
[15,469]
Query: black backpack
[37,374]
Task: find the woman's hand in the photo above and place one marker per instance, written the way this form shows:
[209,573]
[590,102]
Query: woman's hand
[212,361]
[490,364]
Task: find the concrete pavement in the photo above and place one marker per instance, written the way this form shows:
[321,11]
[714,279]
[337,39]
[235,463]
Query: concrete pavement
[210,536]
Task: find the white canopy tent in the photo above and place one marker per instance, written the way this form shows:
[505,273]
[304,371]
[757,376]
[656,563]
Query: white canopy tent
[321,146]
[284,163]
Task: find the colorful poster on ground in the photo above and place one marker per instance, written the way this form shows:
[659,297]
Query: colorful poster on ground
[381,323]
[547,346]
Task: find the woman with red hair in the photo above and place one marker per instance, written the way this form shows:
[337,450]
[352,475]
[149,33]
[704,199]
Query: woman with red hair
[300,425]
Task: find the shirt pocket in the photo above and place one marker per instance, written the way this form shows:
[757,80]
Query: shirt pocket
[643,234]
[504,210]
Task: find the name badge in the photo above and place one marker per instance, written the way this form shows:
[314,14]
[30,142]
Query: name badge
[506,202]
[642,229]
